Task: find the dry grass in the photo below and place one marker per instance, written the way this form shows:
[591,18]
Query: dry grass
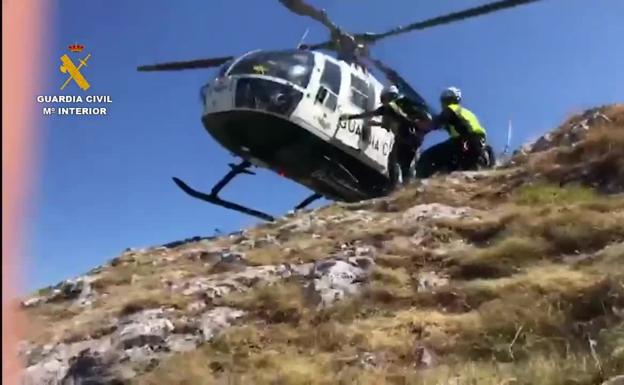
[129,288]
[328,354]
[517,309]
[540,370]
[303,248]
[389,286]
[521,327]
[531,283]
[549,194]
[596,161]
[282,302]
[502,259]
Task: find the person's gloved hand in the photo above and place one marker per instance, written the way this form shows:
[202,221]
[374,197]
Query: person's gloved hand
[465,145]
[366,132]
[423,126]
[470,143]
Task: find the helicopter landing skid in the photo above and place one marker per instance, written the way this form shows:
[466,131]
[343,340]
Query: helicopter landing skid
[308,200]
[213,197]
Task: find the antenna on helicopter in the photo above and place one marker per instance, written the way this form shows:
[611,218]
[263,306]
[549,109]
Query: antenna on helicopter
[305,34]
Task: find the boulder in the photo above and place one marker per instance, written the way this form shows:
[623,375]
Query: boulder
[148,327]
[617,380]
[217,319]
[333,280]
[183,342]
[51,364]
[33,301]
[91,368]
[218,285]
[429,280]
[48,372]
[434,211]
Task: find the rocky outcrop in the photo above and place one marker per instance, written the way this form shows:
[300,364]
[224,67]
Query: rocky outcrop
[333,280]
[435,211]
[144,338]
[78,290]
[141,340]
[568,135]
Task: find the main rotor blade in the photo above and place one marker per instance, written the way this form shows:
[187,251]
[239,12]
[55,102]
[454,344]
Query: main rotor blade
[446,19]
[402,84]
[185,65]
[301,8]
[440,20]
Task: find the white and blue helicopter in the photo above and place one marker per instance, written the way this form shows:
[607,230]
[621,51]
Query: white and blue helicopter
[280,110]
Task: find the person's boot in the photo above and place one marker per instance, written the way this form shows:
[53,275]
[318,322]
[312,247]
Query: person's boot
[396,176]
[405,177]
[411,171]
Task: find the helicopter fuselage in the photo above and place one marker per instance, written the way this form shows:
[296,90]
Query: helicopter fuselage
[280,110]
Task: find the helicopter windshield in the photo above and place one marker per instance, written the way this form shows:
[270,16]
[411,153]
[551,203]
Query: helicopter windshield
[293,65]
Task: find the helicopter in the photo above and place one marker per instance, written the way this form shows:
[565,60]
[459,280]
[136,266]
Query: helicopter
[280,110]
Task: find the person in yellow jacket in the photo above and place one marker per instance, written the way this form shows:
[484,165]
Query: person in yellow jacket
[466,144]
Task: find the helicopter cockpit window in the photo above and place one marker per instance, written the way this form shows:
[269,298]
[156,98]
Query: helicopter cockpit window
[331,77]
[359,92]
[293,65]
[330,85]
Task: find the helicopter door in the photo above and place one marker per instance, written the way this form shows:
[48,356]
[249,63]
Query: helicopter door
[327,94]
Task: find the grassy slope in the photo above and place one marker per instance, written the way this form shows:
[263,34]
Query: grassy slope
[531,285]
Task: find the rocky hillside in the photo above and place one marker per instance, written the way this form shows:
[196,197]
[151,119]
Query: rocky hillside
[510,276]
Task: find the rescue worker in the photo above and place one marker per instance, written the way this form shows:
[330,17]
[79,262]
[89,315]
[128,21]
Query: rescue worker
[398,116]
[467,140]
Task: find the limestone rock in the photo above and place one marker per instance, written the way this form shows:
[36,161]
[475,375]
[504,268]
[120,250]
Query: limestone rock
[33,301]
[429,280]
[334,280]
[424,358]
[91,368]
[148,327]
[217,319]
[183,342]
[435,211]
[49,372]
[618,380]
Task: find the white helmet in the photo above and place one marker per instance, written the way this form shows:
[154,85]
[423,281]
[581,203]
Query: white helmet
[391,89]
[451,93]
[389,93]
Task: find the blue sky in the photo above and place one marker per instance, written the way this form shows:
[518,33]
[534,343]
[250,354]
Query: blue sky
[104,182]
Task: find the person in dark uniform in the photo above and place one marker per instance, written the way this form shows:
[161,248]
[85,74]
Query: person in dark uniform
[398,116]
